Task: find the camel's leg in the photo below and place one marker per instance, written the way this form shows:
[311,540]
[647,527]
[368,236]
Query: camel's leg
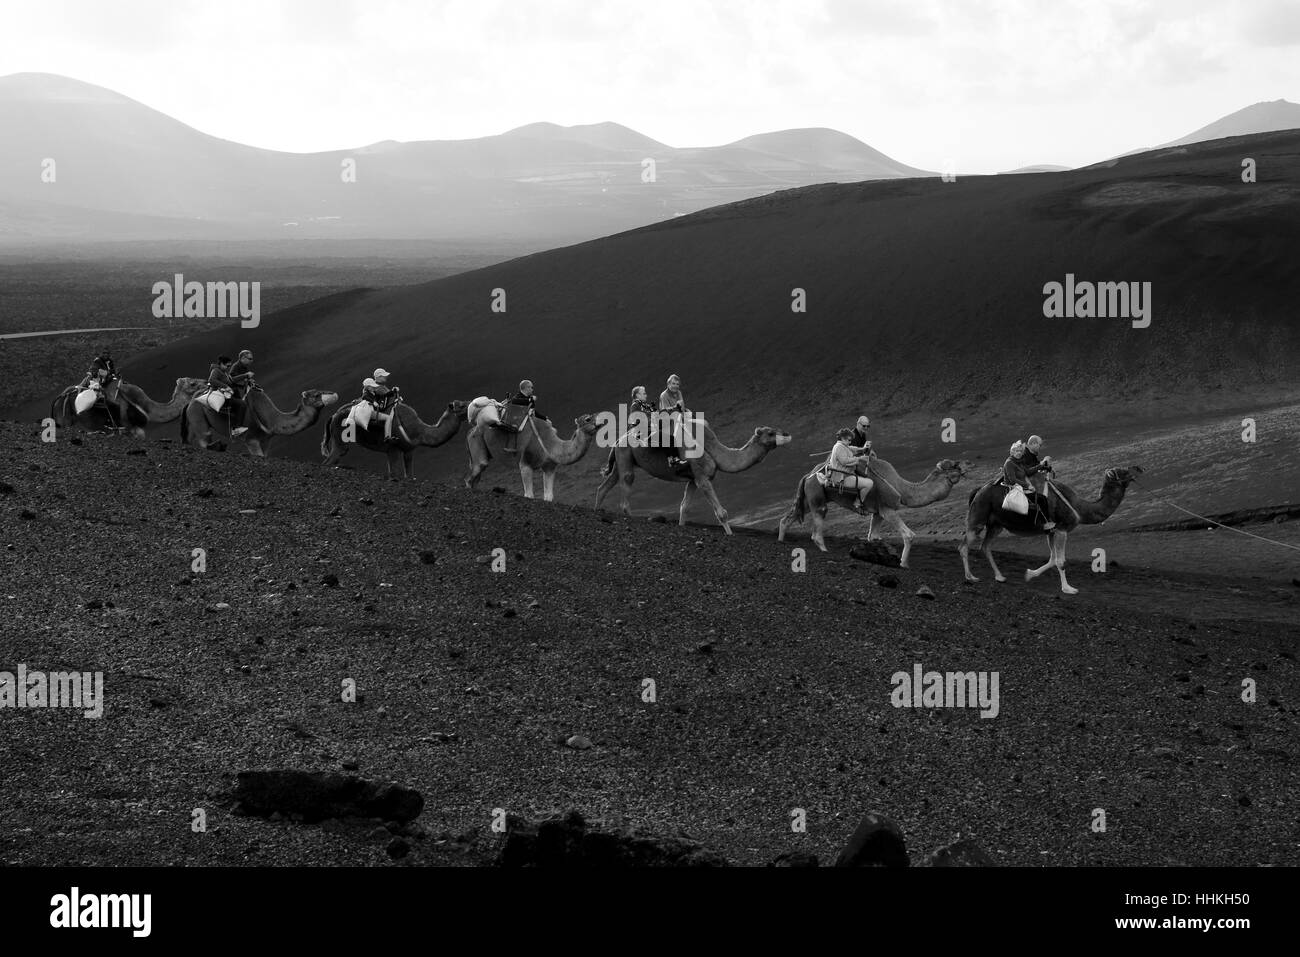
[607,483]
[408,464]
[1032,573]
[1060,565]
[477,461]
[686,503]
[337,449]
[969,539]
[548,484]
[392,456]
[819,527]
[871,528]
[625,481]
[780,526]
[892,517]
[526,475]
[986,547]
[706,487]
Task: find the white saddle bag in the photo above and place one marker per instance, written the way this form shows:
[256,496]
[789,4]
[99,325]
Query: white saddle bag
[1016,501]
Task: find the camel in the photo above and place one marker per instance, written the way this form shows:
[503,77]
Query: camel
[539,447]
[890,493]
[128,409]
[409,433]
[697,473]
[205,429]
[1066,508]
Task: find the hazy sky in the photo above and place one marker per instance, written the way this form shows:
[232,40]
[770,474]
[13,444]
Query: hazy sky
[993,84]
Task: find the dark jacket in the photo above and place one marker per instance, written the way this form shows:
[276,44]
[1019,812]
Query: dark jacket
[240,373]
[1034,470]
[1013,472]
[219,378]
[859,438]
[527,400]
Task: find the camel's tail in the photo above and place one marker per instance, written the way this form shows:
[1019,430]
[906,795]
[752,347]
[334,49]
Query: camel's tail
[326,443]
[796,514]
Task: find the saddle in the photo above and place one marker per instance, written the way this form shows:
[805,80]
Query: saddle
[512,417]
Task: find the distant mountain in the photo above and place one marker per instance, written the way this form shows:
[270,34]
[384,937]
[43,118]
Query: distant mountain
[1039,168]
[1260,118]
[125,171]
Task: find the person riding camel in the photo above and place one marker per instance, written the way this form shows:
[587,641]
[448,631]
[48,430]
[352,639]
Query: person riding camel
[221,388]
[673,402]
[241,377]
[640,404]
[1034,466]
[526,398]
[1015,475]
[860,440]
[382,398]
[101,373]
[842,468]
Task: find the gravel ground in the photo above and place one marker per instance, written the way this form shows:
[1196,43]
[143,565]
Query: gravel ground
[772,687]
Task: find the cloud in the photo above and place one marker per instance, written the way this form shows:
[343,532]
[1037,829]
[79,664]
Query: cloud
[1274,24]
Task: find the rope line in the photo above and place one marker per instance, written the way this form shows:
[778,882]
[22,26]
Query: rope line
[1230,528]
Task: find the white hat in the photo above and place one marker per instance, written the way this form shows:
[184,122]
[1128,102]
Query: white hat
[369,384]
[381,373]
[863,422]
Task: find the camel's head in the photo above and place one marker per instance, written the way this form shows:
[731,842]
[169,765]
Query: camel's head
[770,438]
[190,387]
[587,424]
[317,399]
[1122,477]
[456,407]
[954,468]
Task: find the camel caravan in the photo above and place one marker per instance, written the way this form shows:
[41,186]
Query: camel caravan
[665,440]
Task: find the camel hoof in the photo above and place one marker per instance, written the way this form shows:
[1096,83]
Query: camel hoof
[1068,590]
[902,564]
[1029,576]
[1000,578]
[972,578]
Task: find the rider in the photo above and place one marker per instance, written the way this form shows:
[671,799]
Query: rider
[842,466]
[1015,473]
[382,397]
[673,402]
[1034,466]
[241,375]
[641,404]
[101,372]
[524,397]
[220,385]
[860,439]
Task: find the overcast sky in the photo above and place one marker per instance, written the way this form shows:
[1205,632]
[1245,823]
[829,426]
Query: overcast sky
[993,84]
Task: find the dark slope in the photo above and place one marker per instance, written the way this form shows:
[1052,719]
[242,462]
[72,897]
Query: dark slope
[925,301]
[772,687]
